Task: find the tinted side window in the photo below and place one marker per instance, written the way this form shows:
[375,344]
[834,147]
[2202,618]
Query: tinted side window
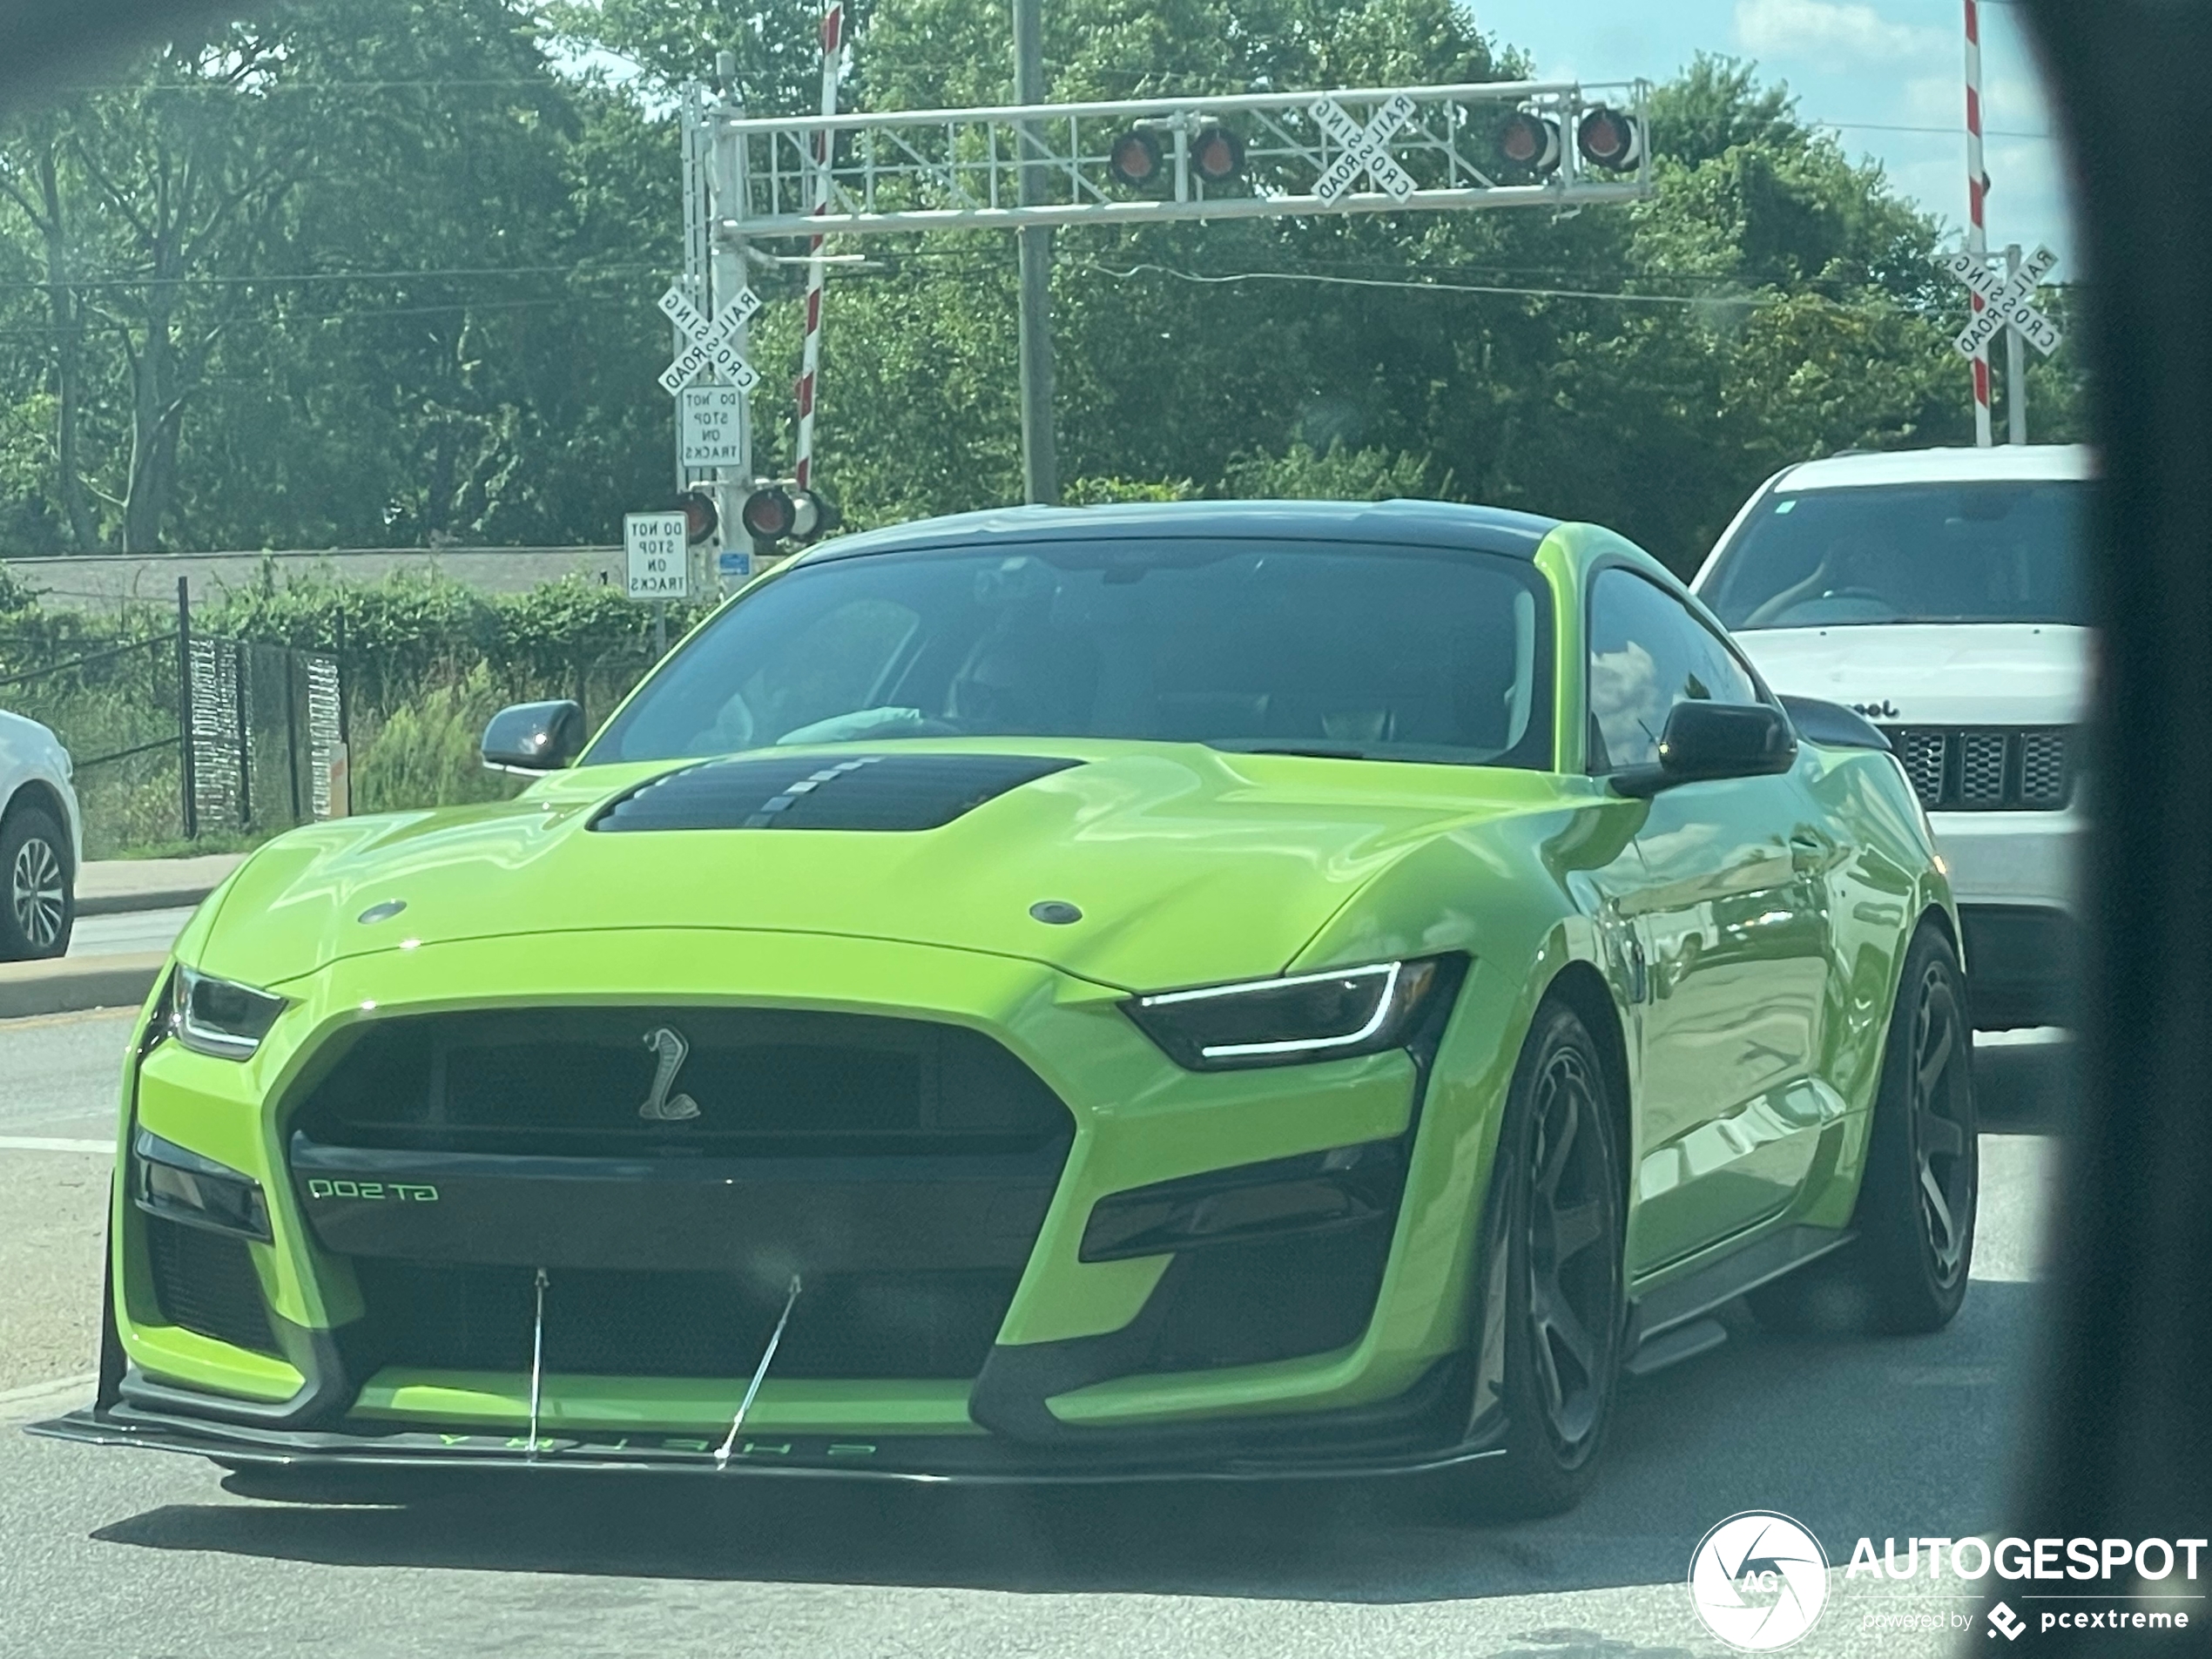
[1648,652]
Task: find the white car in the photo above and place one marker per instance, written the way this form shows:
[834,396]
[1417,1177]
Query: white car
[42,841]
[1937,592]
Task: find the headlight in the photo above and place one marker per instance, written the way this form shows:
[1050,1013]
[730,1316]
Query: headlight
[1284,1022]
[218,1016]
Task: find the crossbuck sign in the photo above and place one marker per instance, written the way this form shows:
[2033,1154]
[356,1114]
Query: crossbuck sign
[709,341]
[2006,303]
[1363,149]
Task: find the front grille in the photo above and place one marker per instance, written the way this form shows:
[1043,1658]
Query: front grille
[891,1324]
[1970,769]
[740,1083]
[205,1282]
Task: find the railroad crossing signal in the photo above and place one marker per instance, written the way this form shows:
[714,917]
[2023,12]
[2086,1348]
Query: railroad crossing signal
[710,344]
[2005,304]
[1363,149]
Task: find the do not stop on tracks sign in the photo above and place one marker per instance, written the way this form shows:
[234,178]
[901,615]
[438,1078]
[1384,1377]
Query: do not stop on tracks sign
[654,548]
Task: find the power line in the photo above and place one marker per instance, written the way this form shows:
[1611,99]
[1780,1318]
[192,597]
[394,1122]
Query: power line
[1948,132]
[1432,286]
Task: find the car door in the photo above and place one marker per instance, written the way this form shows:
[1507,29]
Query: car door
[1732,916]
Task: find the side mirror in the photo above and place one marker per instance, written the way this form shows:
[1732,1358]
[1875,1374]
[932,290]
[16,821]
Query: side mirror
[534,736]
[1706,740]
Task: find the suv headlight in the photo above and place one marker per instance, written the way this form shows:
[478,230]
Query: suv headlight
[219,1016]
[1303,1017]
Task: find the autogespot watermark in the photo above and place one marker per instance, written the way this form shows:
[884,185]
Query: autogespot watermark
[1759,1581]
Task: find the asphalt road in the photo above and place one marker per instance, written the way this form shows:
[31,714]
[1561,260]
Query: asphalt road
[112,1553]
[128,932]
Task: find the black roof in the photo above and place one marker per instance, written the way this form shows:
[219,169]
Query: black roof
[1421,523]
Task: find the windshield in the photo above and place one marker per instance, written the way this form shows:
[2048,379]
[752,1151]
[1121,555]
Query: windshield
[1977,552]
[1379,652]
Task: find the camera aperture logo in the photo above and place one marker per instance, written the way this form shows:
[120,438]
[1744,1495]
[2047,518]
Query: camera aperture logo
[1758,1580]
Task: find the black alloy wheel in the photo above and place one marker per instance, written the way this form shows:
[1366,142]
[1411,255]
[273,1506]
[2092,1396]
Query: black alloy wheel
[37,907]
[1942,1124]
[1559,1177]
[1907,1269]
[1574,1292]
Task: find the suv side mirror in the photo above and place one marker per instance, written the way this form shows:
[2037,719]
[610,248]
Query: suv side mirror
[1706,740]
[534,736]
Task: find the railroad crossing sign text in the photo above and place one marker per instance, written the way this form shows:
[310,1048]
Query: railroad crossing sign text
[2005,304]
[709,341]
[1363,149]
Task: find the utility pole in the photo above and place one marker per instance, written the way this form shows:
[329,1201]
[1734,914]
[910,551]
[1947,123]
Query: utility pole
[1040,459]
[2015,364]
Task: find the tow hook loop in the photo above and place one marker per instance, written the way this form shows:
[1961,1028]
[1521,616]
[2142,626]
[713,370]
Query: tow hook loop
[759,1374]
[537,1363]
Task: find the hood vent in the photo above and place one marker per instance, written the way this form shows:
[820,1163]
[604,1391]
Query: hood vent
[870,792]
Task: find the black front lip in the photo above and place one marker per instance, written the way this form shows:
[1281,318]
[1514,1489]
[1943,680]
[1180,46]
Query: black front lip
[921,1460]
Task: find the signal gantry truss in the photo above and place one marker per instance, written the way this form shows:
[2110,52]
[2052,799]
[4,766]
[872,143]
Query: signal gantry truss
[933,170]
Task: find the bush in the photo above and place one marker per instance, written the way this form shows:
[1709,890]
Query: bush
[426,753]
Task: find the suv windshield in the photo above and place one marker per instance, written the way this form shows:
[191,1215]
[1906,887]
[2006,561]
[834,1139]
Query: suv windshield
[1977,552]
[1380,653]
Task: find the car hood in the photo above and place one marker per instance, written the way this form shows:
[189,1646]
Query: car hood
[1935,674]
[1190,865]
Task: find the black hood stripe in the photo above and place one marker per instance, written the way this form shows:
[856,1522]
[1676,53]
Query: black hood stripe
[869,791]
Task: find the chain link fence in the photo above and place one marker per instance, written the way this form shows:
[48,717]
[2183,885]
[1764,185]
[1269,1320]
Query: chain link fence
[174,735]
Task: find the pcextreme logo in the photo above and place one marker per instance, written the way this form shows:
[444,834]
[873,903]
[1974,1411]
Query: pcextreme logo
[1758,1580]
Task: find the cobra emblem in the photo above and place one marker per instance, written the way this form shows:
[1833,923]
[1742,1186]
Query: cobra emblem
[660,1106]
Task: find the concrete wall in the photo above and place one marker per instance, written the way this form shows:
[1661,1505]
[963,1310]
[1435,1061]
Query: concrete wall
[104,580]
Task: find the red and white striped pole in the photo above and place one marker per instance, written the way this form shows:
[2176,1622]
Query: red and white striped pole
[810,364]
[1977,225]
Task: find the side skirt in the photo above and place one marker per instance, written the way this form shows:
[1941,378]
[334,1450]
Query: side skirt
[1669,1325]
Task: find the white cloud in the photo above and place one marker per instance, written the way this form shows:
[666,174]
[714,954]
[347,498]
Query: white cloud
[1831,31]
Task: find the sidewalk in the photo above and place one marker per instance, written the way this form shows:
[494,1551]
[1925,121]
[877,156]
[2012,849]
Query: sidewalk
[110,887]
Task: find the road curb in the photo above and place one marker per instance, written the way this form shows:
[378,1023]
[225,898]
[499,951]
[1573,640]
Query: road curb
[67,987]
[121,904]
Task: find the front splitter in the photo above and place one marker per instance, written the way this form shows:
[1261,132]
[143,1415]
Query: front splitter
[925,1459]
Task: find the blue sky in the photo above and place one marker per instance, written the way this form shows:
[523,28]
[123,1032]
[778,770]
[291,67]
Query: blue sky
[1869,67]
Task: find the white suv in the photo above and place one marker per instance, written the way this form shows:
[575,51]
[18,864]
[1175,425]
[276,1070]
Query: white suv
[1937,592]
[41,841]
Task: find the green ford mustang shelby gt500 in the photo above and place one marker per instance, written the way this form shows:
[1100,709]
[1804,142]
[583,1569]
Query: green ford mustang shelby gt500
[1193,991]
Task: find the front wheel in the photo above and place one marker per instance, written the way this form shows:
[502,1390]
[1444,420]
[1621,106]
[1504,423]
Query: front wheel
[1906,1270]
[37,908]
[1559,1169]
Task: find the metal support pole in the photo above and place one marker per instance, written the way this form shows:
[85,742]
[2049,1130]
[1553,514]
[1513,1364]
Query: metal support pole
[184,709]
[730,253]
[2015,365]
[1040,459]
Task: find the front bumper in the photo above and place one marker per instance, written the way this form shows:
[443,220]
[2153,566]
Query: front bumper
[2014,874]
[1068,1389]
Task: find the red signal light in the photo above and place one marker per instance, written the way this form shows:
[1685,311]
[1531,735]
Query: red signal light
[1609,139]
[1134,159]
[1216,155]
[1530,141]
[768,513]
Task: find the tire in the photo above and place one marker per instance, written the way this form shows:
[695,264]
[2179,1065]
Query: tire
[1906,1272]
[37,896]
[1560,1169]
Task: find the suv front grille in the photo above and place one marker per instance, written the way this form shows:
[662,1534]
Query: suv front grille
[1970,769]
